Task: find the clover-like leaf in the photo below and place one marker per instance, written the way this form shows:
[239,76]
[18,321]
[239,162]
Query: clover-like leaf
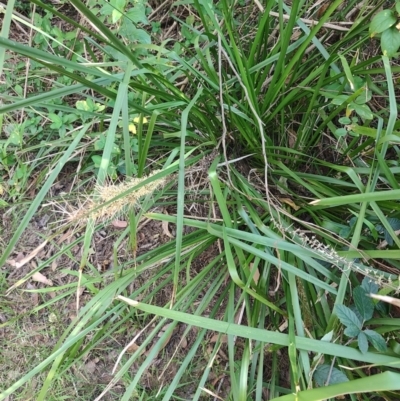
[376,340]
[364,303]
[56,119]
[347,316]
[394,223]
[362,342]
[369,285]
[349,319]
[352,331]
[326,375]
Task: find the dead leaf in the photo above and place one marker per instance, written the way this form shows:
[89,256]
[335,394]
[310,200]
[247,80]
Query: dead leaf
[28,258]
[53,318]
[289,202]
[165,229]
[41,278]
[166,340]
[256,274]
[34,295]
[65,236]
[163,329]
[120,223]
[19,257]
[132,348]
[222,338]
[91,365]
[183,343]
[292,138]
[283,326]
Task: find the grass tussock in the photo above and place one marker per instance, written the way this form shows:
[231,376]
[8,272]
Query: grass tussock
[275,275]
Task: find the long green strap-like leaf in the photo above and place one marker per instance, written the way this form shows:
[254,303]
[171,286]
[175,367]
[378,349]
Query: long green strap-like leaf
[181,189]
[358,198]
[5,30]
[382,382]
[267,336]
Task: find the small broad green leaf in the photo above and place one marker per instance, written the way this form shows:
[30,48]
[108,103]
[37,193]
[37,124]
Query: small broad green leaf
[362,342]
[390,41]
[116,149]
[333,226]
[134,145]
[100,143]
[369,286]
[70,118]
[14,135]
[394,346]
[57,121]
[359,82]
[338,133]
[20,172]
[142,37]
[106,9]
[352,331]
[328,336]
[398,7]
[323,373]
[347,316]
[97,160]
[116,55]
[382,307]
[18,89]
[376,340]
[365,97]
[133,34]
[190,20]
[338,100]
[394,223]
[350,319]
[137,14]
[364,304]
[115,16]
[362,110]
[358,314]
[345,232]
[345,120]
[82,105]
[329,94]
[382,21]
[388,238]
[119,6]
